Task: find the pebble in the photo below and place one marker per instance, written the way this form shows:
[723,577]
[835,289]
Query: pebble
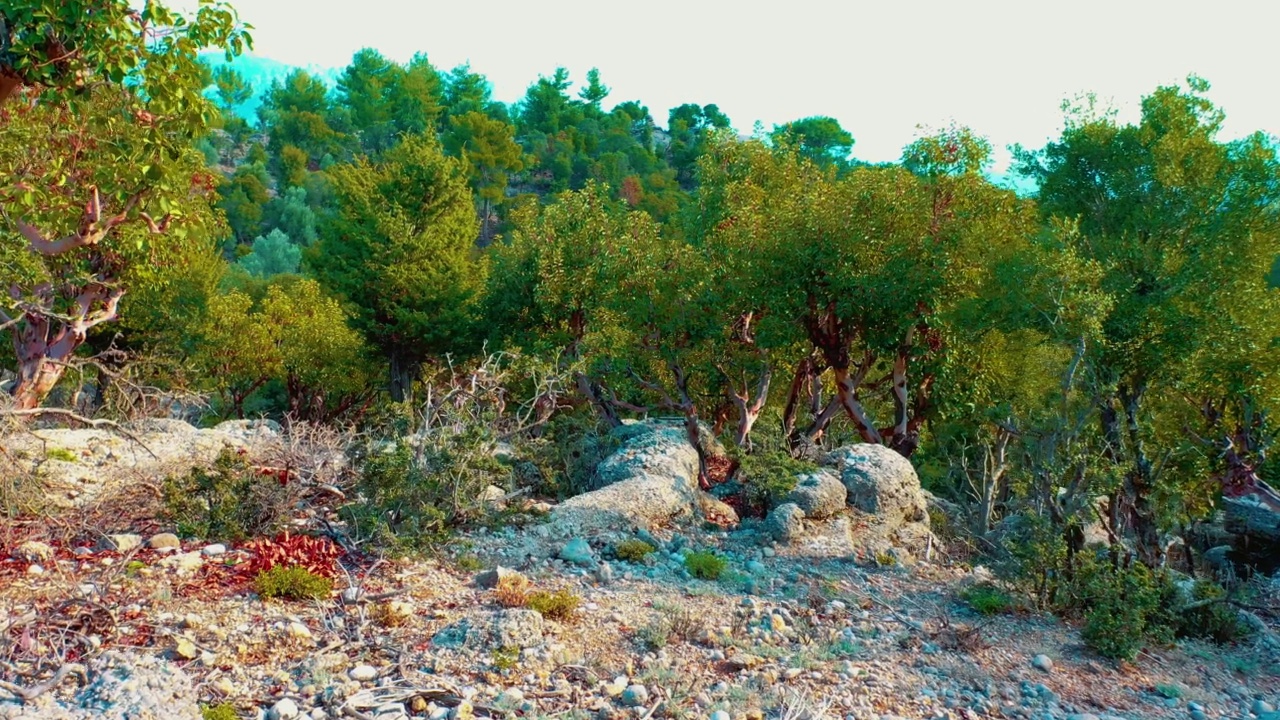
[511,696]
[363,673]
[1042,662]
[604,573]
[213,550]
[161,541]
[122,543]
[298,630]
[35,570]
[578,552]
[720,715]
[285,709]
[1262,707]
[635,695]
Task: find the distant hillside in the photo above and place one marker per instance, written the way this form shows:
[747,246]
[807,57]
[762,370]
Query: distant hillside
[261,72]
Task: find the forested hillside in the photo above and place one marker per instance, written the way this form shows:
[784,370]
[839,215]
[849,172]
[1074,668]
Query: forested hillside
[1102,353]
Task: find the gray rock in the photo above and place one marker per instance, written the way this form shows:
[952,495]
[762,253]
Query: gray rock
[1042,662]
[213,550]
[635,695]
[121,543]
[250,429]
[363,673]
[1082,716]
[492,578]
[786,522]
[578,552]
[162,541]
[820,495]
[518,627]
[34,551]
[1262,707]
[604,573]
[720,715]
[183,562]
[881,482]
[285,709]
[125,686]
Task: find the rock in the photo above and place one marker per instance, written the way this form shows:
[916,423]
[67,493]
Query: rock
[492,578]
[121,543]
[35,569]
[183,562]
[615,688]
[34,551]
[820,495]
[214,550]
[492,495]
[578,552]
[649,481]
[517,627]
[186,649]
[1262,707]
[604,573]
[1042,662]
[247,430]
[743,661]
[363,673]
[635,695]
[511,696]
[284,709]
[720,715]
[881,482]
[299,631]
[786,522]
[128,686]
[351,595]
[1082,716]
[717,511]
[162,541]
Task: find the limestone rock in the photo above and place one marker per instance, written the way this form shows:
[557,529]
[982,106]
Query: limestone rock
[881,482]
[162,541]
[820,495]
[34,551]
[786,522]
[121,543]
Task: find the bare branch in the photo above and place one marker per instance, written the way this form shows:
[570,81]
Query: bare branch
[93,228]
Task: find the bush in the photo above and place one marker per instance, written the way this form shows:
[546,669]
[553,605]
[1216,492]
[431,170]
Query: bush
[987,599]
[512,591]
[767,477]
[1125,608]
[1210,617]
[292,583]
[222,711]
[563,460]
[559,605]
[633,550]
[229,501]
[705,565]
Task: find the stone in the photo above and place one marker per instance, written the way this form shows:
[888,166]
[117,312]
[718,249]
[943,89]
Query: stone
[490,579]
[492,495]
[183,563]
[881,482]
[186,649]
[516,627]
[34,551]
[511,696]
[820,495]
[363,673]
[284,709]
[163,541]
[1042,662]
[743,661]
[578,552]
[635,695]
[214,550]
[35,569]
[604,573]
[1082,716]
[786,522]
[1262,707]
[720,715]
[121,543]
[299,631]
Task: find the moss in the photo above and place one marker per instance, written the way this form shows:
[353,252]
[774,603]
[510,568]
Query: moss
[63,454]
[705,565]
[221,711]
[292,583]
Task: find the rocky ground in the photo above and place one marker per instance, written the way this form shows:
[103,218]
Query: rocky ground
[832,610]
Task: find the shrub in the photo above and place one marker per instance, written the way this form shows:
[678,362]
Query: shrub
[506,658]
[317,555]
[559,605]
[1209,616]
[633,550]
[987,599]
[228,501]
[512,591]
[222,711]
[292,583]
[563,459]
[767,477]
[1125,608]
[1172,692]
[705,565]
[655,635]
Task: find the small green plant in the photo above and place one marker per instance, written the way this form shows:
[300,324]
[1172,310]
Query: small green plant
[655,635]
[469,562]
[559,605]
[987,599]
[228,501]
[767,477]
[134,567]
[221,711]
[1172,692]
[840,649]
[1210,616]
[705,565]
[1125,608]
[63,454]
[292,583]
[633,550]
[505,657]
[886,559]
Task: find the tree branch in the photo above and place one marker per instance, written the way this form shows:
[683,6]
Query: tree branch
[93,228]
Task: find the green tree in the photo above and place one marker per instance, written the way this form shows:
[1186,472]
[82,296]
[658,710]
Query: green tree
[1184,228]
[818,138]
[272,254]
[290,213]
[490,153]
[104,186]
[690,127]
[595,92]
[398,247]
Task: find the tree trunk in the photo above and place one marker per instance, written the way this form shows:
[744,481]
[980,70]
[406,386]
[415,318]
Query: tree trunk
[40,363]
[847,389]
[1139,483]
[403,371]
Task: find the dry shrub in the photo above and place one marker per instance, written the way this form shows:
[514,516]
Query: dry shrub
[512,591]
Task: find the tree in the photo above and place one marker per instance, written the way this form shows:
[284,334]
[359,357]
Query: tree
[364,91]
[490,153]
[690,126]
[105,185]
[398,249]
[290,213]
[1184,228]
[595,92]
[272,254]
[818,138]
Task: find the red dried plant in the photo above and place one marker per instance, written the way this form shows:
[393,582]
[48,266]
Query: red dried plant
[316,554]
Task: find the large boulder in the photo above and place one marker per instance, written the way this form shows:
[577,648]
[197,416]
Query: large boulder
[820,495]
[651,480]
[880,482]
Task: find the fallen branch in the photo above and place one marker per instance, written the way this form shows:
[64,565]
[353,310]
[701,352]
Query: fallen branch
[26,695]
[91,422]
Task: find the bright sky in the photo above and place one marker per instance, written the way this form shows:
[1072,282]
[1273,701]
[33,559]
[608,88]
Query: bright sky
[881,68]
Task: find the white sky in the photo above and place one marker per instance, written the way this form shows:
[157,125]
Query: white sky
[881,68]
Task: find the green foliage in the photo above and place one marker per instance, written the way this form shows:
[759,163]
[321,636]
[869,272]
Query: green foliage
[505,657]
[293,582]
[273,254]
[1124,609]
[565,456]
[559,605]
[228,501]
[221,711]
[1210,616]
[705,565]
[63,454]
[819,138]
[1165,690]
[767,477]
[633,550]
[987,599]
